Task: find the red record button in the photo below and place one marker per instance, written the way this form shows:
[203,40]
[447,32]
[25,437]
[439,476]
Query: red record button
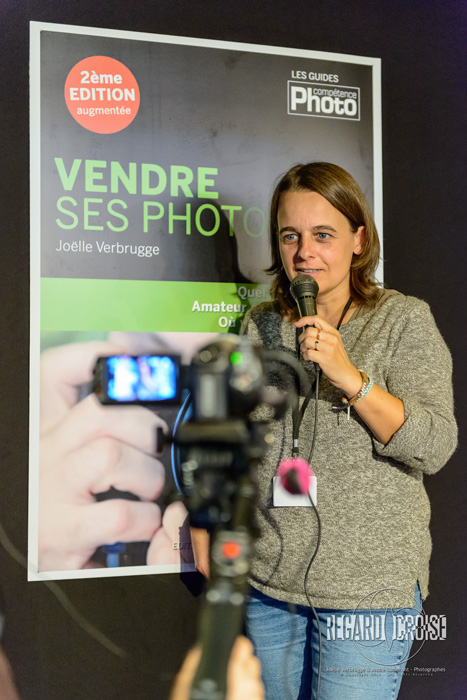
[231,550]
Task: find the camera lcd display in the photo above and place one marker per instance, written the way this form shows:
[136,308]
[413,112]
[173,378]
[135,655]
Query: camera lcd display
[146,378]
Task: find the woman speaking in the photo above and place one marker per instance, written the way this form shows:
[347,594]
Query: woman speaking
[382,420]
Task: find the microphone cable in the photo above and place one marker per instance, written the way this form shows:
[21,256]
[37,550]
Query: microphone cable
[295,453]
[297,422]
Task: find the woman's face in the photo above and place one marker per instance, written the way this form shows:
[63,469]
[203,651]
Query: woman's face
[316,239]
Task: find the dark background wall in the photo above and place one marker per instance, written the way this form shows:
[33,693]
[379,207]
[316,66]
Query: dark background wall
[422,46]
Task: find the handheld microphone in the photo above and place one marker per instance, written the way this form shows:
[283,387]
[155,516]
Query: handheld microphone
[295,475]
[304,290]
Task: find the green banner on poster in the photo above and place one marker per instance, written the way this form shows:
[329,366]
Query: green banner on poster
[142,305]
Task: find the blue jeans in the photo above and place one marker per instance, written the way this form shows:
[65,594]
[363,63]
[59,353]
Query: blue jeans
[363,655]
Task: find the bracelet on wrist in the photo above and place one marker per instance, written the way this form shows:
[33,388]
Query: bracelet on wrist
[367,383]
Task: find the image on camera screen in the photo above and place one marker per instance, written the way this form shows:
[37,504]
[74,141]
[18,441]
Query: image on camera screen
[143,378]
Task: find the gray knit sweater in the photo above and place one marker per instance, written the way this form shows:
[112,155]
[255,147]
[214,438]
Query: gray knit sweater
[372,503]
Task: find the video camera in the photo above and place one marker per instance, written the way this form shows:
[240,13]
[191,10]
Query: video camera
[218,446]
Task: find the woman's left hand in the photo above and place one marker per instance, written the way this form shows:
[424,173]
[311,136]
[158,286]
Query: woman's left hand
[322,343]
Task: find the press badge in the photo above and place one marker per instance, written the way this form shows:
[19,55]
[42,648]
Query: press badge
[281,498]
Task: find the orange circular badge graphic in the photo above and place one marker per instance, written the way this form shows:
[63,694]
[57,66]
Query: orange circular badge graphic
[102,94]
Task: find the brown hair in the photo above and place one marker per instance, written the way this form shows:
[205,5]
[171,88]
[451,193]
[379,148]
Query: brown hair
[340,189]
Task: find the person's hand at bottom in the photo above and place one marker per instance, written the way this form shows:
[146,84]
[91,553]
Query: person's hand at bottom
[243,674]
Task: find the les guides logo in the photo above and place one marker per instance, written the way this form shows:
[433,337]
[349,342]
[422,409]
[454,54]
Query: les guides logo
[318,99]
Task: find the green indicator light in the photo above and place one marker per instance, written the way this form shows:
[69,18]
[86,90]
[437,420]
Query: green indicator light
[236,358]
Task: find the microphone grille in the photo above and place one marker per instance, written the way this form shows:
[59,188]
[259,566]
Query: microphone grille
[303,286]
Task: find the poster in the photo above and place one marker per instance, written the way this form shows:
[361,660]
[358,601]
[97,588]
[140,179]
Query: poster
[153,159]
